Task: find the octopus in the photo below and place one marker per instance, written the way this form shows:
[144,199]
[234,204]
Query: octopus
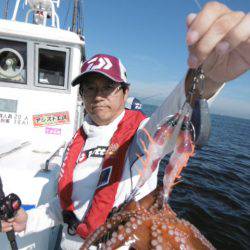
[147,224]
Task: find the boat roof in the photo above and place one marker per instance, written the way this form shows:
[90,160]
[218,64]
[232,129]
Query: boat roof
[30,31]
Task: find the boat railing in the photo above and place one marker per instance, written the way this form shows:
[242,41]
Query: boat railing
[46,166]
[42,11]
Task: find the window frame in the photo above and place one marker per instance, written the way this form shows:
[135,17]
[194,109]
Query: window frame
[7,81]
[66,71]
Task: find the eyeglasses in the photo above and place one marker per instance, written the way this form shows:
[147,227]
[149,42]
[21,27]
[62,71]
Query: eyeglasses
[89,90]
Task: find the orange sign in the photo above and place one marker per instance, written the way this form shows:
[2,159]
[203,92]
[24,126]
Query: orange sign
[51,119]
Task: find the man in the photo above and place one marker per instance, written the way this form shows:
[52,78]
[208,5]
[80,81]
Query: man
[99,169]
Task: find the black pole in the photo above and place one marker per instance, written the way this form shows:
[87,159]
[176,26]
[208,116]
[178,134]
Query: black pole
[12,239]
[1,189]
[11,234]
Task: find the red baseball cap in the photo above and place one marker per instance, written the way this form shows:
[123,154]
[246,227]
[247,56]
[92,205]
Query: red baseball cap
[107,65]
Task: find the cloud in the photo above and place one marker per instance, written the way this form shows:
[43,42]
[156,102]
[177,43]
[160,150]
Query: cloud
[147,60]
[152,93]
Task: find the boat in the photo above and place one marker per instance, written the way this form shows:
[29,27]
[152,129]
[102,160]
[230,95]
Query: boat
[39,110]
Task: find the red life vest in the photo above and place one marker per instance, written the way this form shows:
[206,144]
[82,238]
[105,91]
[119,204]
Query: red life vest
[104,196]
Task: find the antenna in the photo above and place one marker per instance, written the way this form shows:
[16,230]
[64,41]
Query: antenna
[77,19]
[80,20]
[74,16]
[6,7]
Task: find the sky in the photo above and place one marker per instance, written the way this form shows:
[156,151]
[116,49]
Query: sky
[149,37]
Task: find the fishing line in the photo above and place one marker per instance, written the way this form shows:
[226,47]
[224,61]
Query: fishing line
[198,4]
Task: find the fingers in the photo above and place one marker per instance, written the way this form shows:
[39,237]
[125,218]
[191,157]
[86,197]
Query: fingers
[210,13]
[213,38]
[18,223]
[190,18]
[215,28]
[6,226]
[21,216]
[240,33]
[19,227]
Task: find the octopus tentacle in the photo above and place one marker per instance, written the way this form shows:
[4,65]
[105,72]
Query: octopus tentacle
[148,224]
[130,232]
[111,224]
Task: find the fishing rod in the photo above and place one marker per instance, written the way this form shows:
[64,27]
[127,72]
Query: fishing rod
[9,205]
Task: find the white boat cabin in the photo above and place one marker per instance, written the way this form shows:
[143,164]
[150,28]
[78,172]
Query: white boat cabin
[39,110]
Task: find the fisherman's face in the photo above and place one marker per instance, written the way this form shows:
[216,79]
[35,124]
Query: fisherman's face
[104,100]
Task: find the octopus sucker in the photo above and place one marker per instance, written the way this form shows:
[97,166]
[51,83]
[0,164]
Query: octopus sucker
[147,225]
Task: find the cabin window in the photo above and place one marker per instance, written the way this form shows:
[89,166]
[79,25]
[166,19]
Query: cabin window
[13,61]
[8,105]
[52,67]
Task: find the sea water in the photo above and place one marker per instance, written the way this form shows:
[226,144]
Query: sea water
[214,194]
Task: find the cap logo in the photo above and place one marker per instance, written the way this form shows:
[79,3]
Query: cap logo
[99,63]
